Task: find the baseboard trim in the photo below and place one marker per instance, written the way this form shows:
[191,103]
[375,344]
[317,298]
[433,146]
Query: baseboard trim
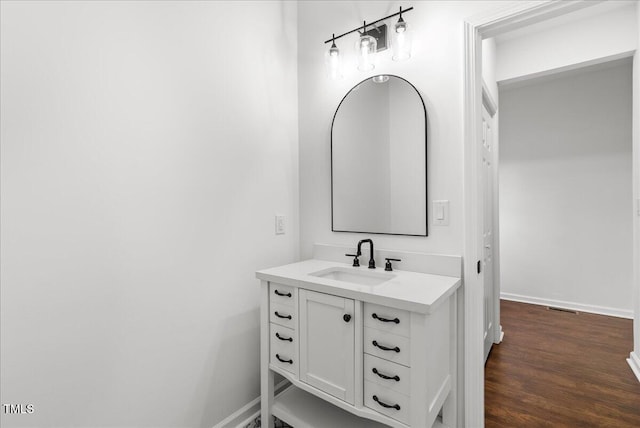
[601,310]
[634,363]
[251,418]
[244,415]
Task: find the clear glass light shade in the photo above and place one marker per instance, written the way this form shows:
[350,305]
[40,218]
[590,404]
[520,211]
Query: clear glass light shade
[333,63]
[366,48]
[401,41]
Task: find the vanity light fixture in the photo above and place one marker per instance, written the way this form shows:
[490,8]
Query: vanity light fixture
[401,44]
[369,43]
[333,61]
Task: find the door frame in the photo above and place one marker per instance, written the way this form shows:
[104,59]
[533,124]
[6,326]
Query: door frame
[510,16]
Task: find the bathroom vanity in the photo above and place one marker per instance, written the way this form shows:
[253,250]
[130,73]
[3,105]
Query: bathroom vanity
[361,347]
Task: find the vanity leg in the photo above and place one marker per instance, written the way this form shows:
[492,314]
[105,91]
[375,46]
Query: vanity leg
[266,399]
[266,375]
[450,406]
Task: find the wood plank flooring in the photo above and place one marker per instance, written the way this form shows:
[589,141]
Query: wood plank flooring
[559,369]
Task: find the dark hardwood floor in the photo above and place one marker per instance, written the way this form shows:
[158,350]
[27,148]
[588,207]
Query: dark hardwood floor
[559,369]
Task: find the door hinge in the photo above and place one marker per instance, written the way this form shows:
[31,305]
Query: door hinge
[479,264]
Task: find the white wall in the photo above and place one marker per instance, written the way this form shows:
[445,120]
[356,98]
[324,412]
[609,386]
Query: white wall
[566,186]
[600,31]
[146,147]
[435,68]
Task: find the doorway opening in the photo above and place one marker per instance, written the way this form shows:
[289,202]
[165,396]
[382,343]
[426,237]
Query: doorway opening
[487,26]
[565,188]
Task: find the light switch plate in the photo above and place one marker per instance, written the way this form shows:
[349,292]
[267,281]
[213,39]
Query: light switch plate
[279,225]
[441,213]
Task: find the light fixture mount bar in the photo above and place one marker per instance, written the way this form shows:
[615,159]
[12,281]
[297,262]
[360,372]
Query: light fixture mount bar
[369,24]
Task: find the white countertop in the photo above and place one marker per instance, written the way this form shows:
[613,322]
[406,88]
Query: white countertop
[412,291]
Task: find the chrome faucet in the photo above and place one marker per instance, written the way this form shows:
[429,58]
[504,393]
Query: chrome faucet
[372,262]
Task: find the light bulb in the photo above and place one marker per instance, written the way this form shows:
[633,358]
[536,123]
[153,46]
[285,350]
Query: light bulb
[381,78]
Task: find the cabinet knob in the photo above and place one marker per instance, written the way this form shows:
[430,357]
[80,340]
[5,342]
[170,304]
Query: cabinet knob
[346,317]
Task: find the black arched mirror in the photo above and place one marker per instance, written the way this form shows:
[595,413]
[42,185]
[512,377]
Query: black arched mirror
[379,159]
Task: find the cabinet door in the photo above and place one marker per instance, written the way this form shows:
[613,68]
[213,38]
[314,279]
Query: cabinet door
[327,345]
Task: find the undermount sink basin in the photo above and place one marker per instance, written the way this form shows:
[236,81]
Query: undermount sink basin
[362,277]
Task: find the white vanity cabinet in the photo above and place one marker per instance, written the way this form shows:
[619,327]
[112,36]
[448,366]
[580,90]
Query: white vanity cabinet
[373,354]
[377,362]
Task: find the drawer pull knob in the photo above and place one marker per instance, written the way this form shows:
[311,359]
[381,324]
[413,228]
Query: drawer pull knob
[282,294]
[282,316]
[383,376]
[346,317]
[383,404]
[384,348]
[290,339]
[376,317]
[283,361]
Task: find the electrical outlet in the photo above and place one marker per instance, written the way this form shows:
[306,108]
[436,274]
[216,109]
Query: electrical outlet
[279,225]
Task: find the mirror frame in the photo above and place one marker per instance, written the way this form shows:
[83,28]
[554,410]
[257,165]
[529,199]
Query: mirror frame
[426,157]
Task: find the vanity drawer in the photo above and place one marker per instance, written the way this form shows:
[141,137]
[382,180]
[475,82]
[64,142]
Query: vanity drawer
[387,374]
[383,318]
[286,337]
[282,294]
[283,353]
[283,315]
[388,346]
[387,402]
